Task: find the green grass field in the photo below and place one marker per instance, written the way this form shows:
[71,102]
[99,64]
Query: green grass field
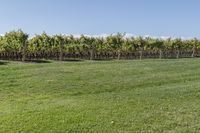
[100,96]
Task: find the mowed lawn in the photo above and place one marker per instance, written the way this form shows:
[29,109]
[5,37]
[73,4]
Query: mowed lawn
[100,96]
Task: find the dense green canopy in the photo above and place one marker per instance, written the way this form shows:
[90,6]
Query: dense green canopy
[18,44]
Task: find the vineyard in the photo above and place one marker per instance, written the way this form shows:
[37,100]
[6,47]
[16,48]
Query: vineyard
[17,45]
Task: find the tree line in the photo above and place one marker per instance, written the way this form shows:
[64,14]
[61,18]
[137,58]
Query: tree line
[17,45]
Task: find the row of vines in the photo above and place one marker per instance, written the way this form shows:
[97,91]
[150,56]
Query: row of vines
[17,45]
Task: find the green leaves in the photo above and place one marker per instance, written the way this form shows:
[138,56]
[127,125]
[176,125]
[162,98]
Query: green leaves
[18,42]
[14,41]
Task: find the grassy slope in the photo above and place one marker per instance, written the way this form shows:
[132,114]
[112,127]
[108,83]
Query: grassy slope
[113,96]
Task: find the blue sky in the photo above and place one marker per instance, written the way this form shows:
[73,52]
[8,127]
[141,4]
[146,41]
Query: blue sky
[176,18]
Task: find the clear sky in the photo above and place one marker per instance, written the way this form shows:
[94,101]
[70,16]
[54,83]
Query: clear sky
[177,18]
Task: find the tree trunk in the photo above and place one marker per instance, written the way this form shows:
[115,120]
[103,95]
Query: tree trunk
[141,54]
[178,53]
[61,56]
[24,52]
[193,52]
[23,57]
[91,54]
[61,51]
[119,55]
[160,54]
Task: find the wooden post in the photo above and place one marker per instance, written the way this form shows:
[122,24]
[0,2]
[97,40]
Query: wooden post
[24,51]
[61,50]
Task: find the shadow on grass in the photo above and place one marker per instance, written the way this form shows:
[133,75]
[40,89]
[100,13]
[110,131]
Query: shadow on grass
[38,61]
[3,63]
[103,59]
[72,60]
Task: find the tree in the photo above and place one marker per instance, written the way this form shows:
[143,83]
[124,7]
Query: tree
[141,45]
[159,45]
[115,42]
[43,45]
[176,44]
[90,43]
[194,43]
[127,45]
[59,41]
[16,45]
[1,44]
[16,41]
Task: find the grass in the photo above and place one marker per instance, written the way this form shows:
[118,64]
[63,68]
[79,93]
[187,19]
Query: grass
[100,96]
